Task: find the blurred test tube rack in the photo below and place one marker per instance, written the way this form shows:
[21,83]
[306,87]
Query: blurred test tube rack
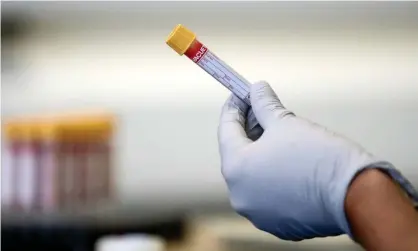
[56,167]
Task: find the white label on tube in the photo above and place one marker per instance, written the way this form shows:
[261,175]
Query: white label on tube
[226,76]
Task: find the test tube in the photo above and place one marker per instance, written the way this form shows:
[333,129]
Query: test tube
[26,185]
[6,176]
[49,164]
[8,167]
[184,42]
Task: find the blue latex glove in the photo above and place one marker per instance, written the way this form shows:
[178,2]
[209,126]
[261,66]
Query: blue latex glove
[292,180]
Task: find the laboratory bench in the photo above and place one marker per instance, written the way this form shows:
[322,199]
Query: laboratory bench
[80,237]
[79,229]
[193,233]
[181,231]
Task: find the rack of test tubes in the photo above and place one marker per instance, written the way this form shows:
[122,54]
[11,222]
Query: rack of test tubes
[57,163]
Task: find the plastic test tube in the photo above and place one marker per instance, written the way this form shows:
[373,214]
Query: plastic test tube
[184,41]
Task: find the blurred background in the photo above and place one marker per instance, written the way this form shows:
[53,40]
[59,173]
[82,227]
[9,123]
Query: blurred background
[106,131]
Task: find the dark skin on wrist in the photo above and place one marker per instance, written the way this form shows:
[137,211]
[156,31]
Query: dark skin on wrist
[381,217]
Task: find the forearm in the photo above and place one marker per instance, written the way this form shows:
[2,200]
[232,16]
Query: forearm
[380,216]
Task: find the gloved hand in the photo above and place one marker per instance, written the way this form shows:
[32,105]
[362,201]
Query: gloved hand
[292,180]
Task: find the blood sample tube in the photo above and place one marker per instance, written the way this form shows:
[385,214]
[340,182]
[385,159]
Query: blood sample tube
[79,151]
[66,166]
[6,176]
[7,167]
[27,169]
[36,143]
[48,173]
[98,167]
[14,133]
[184,41]
[77,156]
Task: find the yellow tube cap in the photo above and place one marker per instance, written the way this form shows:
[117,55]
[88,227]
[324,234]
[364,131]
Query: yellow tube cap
[180,39]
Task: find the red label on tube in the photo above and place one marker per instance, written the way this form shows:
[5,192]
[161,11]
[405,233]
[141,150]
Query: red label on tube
[196,51]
